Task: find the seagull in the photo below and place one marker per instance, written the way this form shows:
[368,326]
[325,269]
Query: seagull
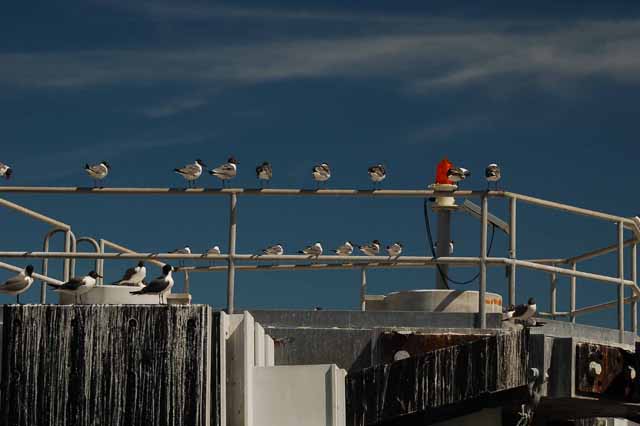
[274,250]
[17,285]
[133,276]
[191,172]
[264,172]
[97,171]
[185,250]
[507,315]
[215,250]
[321,173]
[5,171]
[372,249]
[394,249]
[344,249]
[77,286]
[314,249]
[457,174]
[525,312]
[492,174]
[226,171]
[451,243]
[377,173]
[160,285]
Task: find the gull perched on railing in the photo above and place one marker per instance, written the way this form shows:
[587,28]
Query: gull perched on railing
[191,172]
[5,171]
[184,250]
[372,249]
[314,249]
[394,250]
[457,174]
[321,173]
[17,285]
[377,173]
[97,171]
[226,171]
[492,174]
[264,172]
[274,250]
[344,249]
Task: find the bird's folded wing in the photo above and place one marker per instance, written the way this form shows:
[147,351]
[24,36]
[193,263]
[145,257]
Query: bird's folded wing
[225,169]
[12,284]
[96,168]
[73,284]
[191,169]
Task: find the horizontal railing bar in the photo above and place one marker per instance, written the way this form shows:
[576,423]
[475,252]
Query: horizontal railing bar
[569,209]
[10,267]
[602,306]
[34,215]
[310,266]
[569,272]
[599,252]
[550,315]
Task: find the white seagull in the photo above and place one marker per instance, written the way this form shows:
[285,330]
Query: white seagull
[451,243]
[77,286]
[191,172]
[377,173]
[275,250]
[314,249]
[5,171]
[97,171]
[226,171]
[507,314]
[133,276]
[17,285]
[215,250]
[492,174]
[344,249]
[321,173]
[394,250]
[185,250]
[160,285]
[525,312]
[457,174]
[264,172]
[372,249]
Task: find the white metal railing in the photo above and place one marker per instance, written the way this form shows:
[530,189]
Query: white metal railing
[237,261]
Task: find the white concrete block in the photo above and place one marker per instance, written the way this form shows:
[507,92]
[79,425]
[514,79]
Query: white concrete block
[259,345]
[110,295]
[269,351]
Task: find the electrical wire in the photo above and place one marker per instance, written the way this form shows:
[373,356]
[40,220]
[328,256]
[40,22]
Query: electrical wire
[445,278]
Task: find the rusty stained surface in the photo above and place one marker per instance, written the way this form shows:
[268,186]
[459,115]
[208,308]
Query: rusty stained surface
[416,343]
[614,381]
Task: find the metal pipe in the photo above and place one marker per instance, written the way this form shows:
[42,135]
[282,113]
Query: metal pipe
[96,247]
[512,250]
[45,260]
[621,286]
[41,277]
[603,306]
[231,273]
[101,262]
[572,294]
[553,315]
[187,285]
[363,290]
[483,263]
[33,214]
[569,272]
[67,261]
[634,278]
[553,293]
[123,249]
[599,252]
[310,266]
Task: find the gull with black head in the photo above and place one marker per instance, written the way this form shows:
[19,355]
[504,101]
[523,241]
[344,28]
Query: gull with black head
[17,285]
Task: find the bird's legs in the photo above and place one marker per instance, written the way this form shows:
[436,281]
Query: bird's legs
[18,299]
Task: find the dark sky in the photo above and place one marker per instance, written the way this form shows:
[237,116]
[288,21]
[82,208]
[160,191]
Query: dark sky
[549,91]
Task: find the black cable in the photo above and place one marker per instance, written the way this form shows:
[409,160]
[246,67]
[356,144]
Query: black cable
[445,278]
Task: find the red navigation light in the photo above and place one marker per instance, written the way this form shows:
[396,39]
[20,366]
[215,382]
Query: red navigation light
[441,171]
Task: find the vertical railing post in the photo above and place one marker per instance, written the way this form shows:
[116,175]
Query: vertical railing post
[512,251]
[621,285]
[553,294]
[483,263]
[634,278]
[187,286]
[231,271]
[66,272]
[101,262]
[572,295]
[363,290]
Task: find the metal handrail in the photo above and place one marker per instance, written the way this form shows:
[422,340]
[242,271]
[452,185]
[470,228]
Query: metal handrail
[97,249]
[33,214]
[14,268]
[69,245]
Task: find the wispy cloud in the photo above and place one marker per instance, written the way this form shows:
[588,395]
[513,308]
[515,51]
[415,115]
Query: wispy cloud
[542,53]
[174,106]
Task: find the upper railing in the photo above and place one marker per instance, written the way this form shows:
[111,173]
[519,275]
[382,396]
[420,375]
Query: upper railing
[249,262]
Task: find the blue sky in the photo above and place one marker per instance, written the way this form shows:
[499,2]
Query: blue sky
[549,92]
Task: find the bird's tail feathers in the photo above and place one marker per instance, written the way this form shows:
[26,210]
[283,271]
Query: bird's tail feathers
[86,167]
[54,285]
[301,252]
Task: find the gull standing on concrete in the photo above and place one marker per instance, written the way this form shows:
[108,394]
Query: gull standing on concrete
[377,173]
[492,174]
[191,172]
[321,173]
[160,285]
[97,171]
[5,171]
[314,249]
[372,249]
[457,174]
[77,286]
[264,172]
[525,312]
[133,276]
[344,249]
[507,315]
[17,285]
[395,249]
[274,250]
[226,171]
